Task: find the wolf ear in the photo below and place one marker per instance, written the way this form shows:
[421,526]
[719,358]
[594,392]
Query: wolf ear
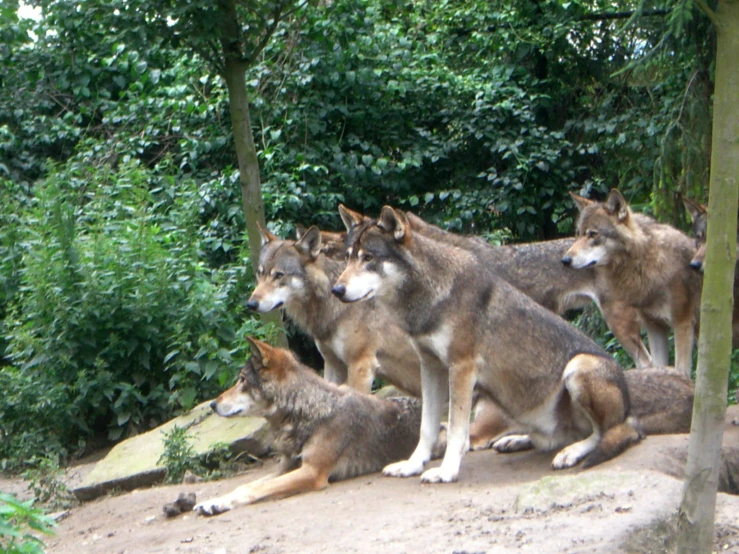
[580,201]
[310,243]
[266,235]
[392,221]
[261,352]
[616,205]
[350,218]
[694,208]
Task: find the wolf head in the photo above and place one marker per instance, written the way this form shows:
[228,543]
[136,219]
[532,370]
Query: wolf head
[282,271]
[375,261]
[250,395]
[601,228]
[699,217]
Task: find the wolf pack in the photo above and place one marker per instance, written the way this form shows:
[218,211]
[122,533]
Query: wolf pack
[472,334]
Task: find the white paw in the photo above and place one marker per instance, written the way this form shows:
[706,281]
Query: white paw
[406,468]
[570,456]
[213,507]
[438,475]
[513,443]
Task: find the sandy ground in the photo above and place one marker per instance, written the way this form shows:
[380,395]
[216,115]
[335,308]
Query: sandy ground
[502,503]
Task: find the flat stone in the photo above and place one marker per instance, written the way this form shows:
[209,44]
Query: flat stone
[133,463]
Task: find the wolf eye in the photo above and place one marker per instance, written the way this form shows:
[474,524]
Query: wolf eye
[278,274]
[591,233]
[367,258]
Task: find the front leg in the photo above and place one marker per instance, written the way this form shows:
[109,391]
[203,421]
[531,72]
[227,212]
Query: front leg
[433,396]
[334,369]
[658,333]
[304,479]
[623,321]
[362,373]
[462,377]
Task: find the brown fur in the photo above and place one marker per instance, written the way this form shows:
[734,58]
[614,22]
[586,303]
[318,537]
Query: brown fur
[641,264]
[536,270]
[358,342]
[322,432]
[473,329]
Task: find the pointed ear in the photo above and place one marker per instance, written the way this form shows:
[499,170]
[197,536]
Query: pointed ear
[350,218]
[310,243]
[580,201]
[266,235]
[616,205]
[393,221]
[261,352]
[694,208]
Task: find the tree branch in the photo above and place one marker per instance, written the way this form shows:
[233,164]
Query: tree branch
[710,14]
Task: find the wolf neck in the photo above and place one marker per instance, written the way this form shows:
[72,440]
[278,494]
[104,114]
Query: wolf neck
[317,309]
[298,405]
[433,269]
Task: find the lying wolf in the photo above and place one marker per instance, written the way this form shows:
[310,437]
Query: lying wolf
[322,432]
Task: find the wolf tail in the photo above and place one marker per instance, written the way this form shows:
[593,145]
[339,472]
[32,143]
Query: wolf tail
[617,439]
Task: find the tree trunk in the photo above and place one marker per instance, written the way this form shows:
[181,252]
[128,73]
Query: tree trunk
[697,510]
[234,73]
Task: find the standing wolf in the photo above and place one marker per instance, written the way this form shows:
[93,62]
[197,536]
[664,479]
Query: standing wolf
[473,329]
[322,432]
[643,264]
[357,342]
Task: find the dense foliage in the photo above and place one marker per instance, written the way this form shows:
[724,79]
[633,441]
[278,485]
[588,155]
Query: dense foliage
[122,273]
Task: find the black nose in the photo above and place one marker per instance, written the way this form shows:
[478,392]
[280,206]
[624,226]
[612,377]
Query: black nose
[567,260]
[252,304]
[339,291]
[698,266]
[214,405]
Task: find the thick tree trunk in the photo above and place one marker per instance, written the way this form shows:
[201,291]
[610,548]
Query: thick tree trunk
[696,516]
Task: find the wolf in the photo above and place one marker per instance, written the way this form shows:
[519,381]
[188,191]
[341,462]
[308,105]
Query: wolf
[699,217]
[473,329]
[536,270]
[322,432]
[357,342]
[643,264]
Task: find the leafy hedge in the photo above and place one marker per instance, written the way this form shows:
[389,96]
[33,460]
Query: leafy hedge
[117,322]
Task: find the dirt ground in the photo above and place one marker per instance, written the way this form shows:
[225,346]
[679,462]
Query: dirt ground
[502,503]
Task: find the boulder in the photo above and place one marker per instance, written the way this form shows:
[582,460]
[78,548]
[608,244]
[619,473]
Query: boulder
[133,463]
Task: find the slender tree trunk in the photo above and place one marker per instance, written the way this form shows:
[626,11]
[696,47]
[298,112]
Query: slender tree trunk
[234,73]
[696,515]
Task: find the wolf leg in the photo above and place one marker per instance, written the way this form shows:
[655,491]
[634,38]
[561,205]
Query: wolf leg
[361,373]
[600,402]
[658,345]
[623,321]
[433,395]
[684,338]
[461,384]
[304,479]
[488,425]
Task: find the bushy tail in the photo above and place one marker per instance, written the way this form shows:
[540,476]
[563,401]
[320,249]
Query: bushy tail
[615,441]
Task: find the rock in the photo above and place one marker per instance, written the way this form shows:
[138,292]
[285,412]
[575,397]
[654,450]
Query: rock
[133,462]
[184,503]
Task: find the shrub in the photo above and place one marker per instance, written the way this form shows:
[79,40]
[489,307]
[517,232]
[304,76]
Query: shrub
[118,322]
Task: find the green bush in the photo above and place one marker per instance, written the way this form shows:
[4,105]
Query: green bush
[118,322]
[19,525]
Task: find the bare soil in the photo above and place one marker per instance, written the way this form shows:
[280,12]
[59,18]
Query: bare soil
[502,503]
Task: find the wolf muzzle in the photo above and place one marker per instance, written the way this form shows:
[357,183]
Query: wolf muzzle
[252,305]
[567,261]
